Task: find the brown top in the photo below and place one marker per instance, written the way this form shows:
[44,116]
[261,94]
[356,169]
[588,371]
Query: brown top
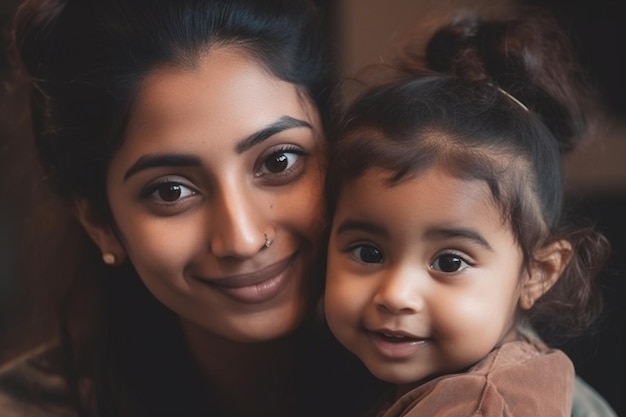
[517,379]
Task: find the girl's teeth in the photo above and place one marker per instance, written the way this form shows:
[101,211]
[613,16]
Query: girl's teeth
[392,336]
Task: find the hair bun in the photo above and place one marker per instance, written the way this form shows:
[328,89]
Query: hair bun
[528,55]
[455,48]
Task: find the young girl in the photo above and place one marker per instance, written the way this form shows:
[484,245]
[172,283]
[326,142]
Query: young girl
[447,242]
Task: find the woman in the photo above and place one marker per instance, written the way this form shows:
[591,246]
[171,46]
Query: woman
[186,136]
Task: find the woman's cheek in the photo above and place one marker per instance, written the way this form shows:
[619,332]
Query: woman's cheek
[164,248]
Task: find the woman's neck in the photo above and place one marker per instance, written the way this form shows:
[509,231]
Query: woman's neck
[245,379]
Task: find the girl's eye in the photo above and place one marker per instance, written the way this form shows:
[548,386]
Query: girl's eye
[170,192]
[449,263]
[367,254]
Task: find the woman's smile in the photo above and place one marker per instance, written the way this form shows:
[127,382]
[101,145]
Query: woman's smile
[217,162]
[255,287]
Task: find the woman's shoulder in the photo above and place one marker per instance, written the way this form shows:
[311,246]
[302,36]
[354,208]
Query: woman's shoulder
[33,385]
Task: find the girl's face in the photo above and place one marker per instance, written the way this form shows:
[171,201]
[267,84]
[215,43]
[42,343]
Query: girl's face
[423,277]
[217,158]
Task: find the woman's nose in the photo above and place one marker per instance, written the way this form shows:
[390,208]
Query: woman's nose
[400,292]
[237,227]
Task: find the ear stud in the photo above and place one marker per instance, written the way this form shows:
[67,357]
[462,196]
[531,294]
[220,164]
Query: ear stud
[108,258]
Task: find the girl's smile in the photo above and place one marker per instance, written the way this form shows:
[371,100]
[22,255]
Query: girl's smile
[396,344]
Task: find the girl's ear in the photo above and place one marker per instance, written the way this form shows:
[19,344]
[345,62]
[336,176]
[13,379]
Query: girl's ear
[545,269]
[101,234]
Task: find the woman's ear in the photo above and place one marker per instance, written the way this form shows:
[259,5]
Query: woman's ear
[101,234]
[545,269]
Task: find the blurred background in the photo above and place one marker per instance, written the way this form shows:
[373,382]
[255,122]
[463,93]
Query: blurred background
[366,32]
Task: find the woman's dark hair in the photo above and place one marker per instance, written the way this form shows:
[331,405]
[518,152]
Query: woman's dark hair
[495,101]
[87,58]
[85,61]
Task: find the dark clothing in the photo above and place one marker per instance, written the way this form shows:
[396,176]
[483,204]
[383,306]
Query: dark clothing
[33,386]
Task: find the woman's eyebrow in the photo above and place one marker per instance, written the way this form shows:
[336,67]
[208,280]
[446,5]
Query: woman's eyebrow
[283,123]
[162,160]
[182,160]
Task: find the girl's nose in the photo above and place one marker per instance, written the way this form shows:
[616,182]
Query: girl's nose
[238,229]
[400,292]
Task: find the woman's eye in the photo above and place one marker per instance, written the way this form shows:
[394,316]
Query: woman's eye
[449,263]
[367,254]
[170,192]
[280,162]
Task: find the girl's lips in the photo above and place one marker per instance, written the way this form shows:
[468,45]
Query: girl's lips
[255,287]
[396,345]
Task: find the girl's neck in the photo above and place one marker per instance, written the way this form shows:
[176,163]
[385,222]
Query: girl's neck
[245,379]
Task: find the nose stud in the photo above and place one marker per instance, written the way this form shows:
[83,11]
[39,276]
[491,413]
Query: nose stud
[268,241]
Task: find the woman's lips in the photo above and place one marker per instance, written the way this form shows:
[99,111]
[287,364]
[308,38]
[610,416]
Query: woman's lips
[256,287]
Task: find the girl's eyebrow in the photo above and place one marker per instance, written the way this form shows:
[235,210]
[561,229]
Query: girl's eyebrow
[181,160]
[350,225]
[283,123]
[458,232]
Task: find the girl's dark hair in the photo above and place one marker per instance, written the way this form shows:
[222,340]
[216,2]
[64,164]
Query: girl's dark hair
[85,61]
[496,101]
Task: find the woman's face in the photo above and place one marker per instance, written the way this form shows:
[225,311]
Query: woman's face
[216,194]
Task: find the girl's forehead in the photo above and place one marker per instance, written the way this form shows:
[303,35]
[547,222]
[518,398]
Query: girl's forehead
[433,203]
[433,184]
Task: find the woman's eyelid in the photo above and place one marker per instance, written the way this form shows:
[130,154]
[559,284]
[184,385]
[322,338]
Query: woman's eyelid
[280,149]
[295,164]
[153,186]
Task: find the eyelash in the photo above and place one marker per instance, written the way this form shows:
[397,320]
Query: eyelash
[351,250]
[187,192]
[466,263]
[147,193]
[288,173]
[452,254]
